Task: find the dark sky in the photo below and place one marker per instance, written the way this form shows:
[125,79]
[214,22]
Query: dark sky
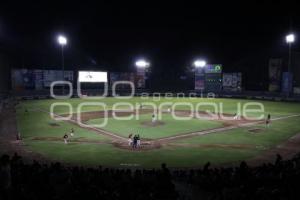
[112,35]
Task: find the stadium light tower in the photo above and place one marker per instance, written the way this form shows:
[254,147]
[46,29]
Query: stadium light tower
[142,63]
[62,41]
[199,63]
[290,39]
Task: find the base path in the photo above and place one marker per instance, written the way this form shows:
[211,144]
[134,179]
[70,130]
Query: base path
[287,150]
[8,142]
[98,130]
[165,140]
[218,130]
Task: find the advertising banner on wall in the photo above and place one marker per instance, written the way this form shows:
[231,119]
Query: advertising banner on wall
[232,81]
[239,81]
[199,79]
[287,82]
[56,75]
[122,76]
[199,82]
[50,76]
[140,79]
[113,77]
[22,79]
[274,74]
[38,79]
[227,80]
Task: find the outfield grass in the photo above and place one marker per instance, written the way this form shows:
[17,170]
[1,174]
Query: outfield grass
[268,137]
[37,123]
[229,105]
[169,128]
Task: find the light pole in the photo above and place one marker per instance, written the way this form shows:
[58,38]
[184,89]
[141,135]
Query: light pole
[199,73]
[142,66]
[290,39]
[62,41]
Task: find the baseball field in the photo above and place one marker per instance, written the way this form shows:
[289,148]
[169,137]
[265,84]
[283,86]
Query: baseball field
[182,132]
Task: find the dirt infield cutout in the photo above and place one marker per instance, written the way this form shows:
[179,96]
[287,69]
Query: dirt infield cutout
[121,142]
[145,145]
[206,146]
[86,116]
[286,149]
[73,139]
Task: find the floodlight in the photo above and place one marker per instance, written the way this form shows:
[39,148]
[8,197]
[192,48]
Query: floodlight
[199,63]
[290,38]
[62,40]
[142,63]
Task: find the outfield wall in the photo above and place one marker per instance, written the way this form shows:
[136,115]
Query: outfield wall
[45,94]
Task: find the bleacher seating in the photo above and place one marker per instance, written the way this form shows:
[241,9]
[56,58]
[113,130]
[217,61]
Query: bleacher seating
[56,181]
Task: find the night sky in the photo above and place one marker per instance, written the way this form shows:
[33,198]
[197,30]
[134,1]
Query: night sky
[110,36]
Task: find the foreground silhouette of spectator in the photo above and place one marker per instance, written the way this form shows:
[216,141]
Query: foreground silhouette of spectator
[56,181]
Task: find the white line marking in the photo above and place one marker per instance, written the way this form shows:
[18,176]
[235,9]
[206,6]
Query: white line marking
[223,128]
[198,133]
[93,128]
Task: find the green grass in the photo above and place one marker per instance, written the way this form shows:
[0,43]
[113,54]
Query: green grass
[36,124]
[229,105]
[278,132]
[105,154]
[170,128]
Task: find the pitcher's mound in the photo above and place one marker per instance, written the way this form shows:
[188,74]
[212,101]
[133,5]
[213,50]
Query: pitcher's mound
[153,124]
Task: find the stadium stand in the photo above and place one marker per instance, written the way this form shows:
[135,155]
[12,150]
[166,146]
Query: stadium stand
[56,181]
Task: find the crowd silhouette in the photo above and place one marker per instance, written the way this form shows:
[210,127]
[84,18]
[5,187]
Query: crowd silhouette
[56,181]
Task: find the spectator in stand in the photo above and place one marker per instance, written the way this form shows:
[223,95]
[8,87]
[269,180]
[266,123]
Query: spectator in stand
[55,181]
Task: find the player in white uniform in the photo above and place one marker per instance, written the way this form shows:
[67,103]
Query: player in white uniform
[138,141]
[236,116]
[153,118]
[66,138]
[72,132]
[130,140]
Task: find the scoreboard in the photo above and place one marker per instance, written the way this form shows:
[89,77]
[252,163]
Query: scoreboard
[213,69]
[210,77]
